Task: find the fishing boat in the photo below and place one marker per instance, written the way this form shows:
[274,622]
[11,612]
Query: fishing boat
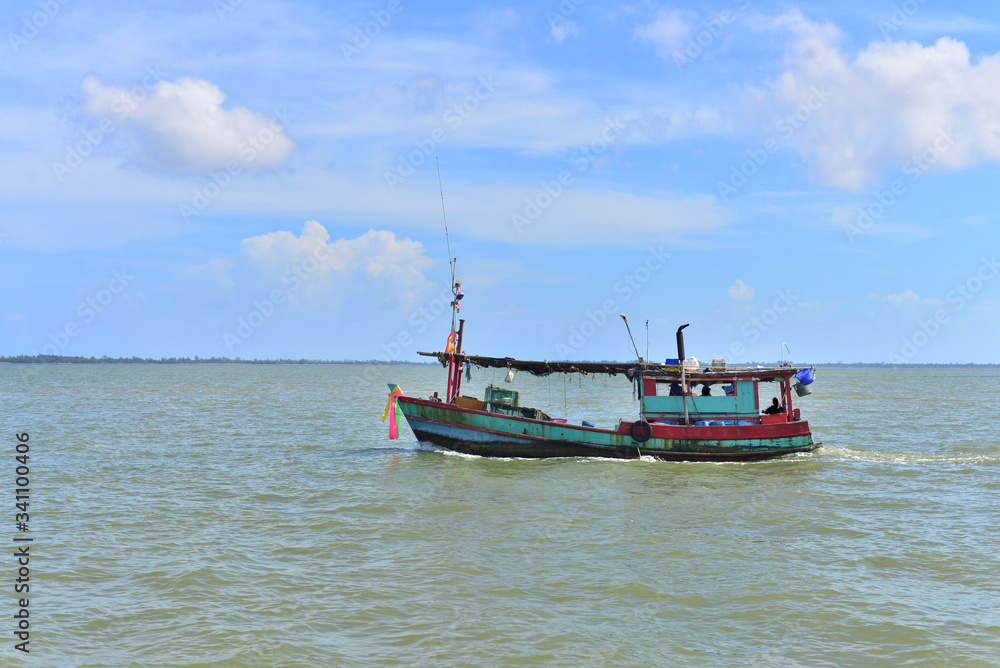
[721,422]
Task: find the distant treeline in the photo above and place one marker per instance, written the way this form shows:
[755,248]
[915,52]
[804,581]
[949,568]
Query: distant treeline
[60,359]
[890,365]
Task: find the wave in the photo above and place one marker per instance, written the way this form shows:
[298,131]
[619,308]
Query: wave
[964,458]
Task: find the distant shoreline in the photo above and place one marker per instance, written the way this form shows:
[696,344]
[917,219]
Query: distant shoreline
[57,359]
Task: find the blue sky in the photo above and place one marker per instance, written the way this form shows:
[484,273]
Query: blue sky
[258,179]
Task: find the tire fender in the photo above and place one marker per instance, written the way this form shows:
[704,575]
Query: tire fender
[641,431]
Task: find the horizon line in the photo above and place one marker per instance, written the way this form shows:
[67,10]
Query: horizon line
[197,359]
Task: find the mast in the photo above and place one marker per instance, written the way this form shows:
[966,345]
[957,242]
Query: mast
[454,345]
[456,367]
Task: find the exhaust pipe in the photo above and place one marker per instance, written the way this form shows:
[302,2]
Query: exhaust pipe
[680,343]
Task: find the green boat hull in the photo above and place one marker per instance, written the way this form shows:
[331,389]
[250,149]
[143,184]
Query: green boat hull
[496,435]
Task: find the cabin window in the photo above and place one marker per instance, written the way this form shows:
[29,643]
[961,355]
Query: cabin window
[672,388]
[767,392]
[663,388]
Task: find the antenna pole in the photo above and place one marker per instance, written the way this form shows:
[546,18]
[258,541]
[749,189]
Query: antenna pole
[630,337]
[454,366]
[444,214]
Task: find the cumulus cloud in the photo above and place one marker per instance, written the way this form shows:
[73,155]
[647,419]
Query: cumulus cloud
[740,291]
[895,105]
[181,126]
[319,263]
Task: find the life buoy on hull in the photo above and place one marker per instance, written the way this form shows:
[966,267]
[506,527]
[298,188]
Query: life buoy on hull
[641,431]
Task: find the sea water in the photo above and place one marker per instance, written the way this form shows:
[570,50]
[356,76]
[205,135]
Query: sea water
[257,515]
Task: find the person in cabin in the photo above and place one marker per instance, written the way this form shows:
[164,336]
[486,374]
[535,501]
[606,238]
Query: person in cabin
[774,408]
[675,389]
[706,390]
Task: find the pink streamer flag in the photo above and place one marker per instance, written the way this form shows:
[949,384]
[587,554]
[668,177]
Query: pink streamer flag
[392,410]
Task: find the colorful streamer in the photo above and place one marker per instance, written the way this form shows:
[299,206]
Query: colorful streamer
[450,346]
[392,411]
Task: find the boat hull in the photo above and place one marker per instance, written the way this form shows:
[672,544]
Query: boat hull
[497,435]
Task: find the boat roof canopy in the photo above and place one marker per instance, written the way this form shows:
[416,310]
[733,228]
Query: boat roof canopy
[540,368]
[630,369]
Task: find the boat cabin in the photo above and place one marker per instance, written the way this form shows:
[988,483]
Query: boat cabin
[710,398]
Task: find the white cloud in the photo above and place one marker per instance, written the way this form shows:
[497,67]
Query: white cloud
[740,291]
[321,264]
[907,298]
[584,216]
[526,109]
[667,32]
[181,126]
[850,217]
[983,309]
[893,102]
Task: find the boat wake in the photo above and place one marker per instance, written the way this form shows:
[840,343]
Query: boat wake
[905,458]
[421,446]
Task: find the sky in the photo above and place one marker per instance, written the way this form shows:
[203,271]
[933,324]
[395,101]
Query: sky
[230,178]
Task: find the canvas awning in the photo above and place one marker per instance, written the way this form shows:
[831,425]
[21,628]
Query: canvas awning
[629,369]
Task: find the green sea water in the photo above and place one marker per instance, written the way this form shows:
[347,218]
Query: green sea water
[258,516]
